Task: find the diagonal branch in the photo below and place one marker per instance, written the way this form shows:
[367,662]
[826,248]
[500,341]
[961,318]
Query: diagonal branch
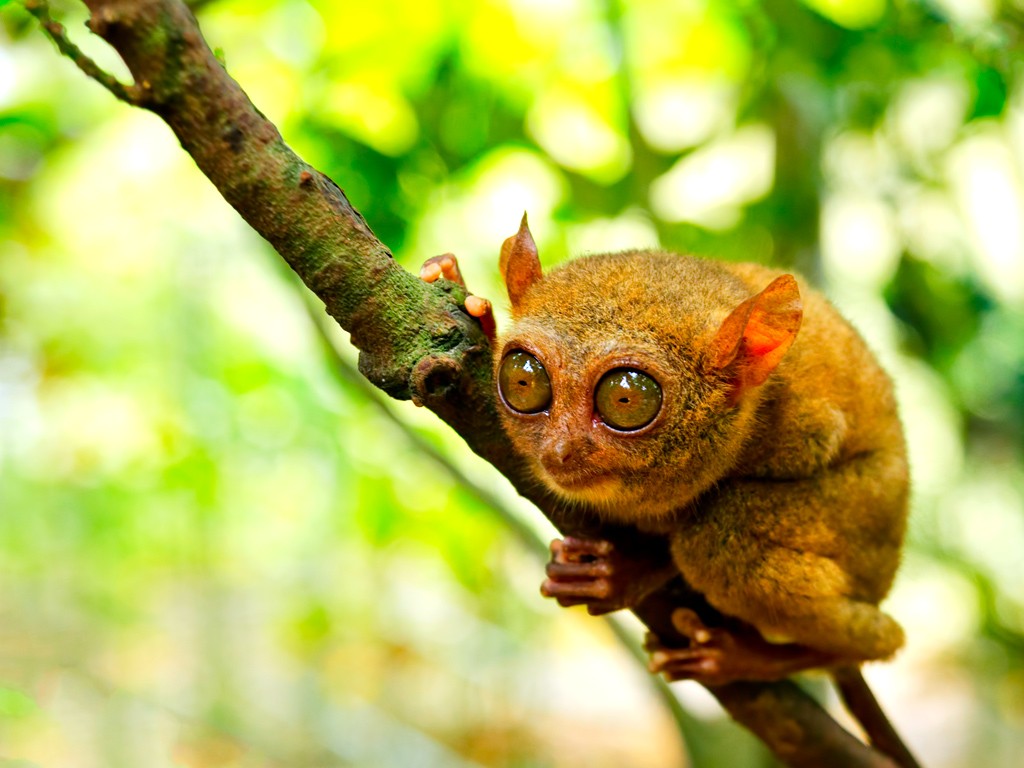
[415,341]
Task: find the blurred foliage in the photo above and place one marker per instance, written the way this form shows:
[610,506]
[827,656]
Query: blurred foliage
[214,551]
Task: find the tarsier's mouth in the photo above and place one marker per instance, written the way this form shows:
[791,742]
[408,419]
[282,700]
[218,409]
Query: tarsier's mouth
[577,481]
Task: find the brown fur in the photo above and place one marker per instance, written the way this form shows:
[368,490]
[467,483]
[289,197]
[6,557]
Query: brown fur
[785,502]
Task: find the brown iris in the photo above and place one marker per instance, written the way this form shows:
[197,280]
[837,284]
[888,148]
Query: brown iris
[626,399]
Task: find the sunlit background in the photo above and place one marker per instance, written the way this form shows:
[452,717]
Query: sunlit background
[217,550]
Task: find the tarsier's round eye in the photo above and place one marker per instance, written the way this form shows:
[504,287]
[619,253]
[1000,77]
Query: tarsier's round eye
[627,399]
[524,383]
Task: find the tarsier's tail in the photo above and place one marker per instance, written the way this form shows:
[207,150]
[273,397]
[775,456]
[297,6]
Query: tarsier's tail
[863,705]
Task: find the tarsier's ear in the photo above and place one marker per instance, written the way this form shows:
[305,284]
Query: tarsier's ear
[519,264]
[756,335]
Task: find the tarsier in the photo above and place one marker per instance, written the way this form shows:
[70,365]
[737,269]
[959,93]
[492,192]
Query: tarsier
[729,409]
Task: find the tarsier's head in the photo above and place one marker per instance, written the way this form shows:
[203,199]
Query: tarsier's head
[629,380]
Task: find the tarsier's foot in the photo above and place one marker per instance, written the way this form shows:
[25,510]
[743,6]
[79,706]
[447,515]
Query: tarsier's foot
[716,656]
[447,266]
[592,572]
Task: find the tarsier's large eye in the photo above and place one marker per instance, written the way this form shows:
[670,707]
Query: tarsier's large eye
[524,383]
[627,399]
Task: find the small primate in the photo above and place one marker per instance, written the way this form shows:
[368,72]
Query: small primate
[730,410]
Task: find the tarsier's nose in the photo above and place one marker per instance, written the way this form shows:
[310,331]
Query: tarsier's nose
[566,453]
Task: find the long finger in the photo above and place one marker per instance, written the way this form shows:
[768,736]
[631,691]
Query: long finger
[561,571]
[598,589]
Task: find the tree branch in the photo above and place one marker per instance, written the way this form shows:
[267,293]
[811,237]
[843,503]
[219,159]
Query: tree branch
[415,341]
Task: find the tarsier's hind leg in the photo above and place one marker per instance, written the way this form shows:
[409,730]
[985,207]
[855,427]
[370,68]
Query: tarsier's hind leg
[795,596]
[804,560]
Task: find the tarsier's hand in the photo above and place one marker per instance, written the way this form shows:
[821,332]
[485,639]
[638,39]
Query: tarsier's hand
[716,655]
[447,266]
[592,572]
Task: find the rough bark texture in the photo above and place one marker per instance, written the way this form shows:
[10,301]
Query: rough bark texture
[415,342]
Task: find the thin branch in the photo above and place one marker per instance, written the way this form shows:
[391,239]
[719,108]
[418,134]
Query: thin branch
[59,35]
[860,699]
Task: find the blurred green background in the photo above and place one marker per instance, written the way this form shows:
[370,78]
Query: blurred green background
[217,551]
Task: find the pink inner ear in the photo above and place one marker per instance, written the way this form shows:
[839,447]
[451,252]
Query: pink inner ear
[759,345]
[756,335]
[760,338]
